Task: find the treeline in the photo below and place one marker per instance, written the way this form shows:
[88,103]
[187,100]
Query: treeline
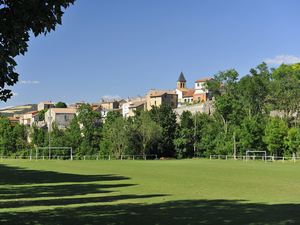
[241,122]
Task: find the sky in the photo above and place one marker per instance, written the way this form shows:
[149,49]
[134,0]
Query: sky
[116,49]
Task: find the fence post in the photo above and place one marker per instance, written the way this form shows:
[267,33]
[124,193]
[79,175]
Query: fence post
[57,157]
[226,157]
[121,157]
[43,158]
[273,158]
[133,157]
[84,157]
[218,156]
[145,157]
[30,158]
[210,157]
[109,157]
[282,159]
[294,159]
[243,158]
[97,157]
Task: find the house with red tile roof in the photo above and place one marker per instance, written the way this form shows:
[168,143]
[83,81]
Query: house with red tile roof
[29,118]
[188,97]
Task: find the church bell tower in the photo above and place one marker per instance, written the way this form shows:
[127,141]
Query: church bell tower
[181,83]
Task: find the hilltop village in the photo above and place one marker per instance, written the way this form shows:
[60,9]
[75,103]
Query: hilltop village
[179,97]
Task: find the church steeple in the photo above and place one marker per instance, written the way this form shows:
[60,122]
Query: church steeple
[181,83]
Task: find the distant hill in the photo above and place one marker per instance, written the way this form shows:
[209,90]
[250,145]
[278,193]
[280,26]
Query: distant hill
[19,109]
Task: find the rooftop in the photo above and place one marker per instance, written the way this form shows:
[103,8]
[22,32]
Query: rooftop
[203,80]
[190,93]
[181,78]
[64,110]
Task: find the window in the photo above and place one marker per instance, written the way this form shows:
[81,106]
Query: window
[171,96]
[172,103]
[66,117]
[198,98]
[184,100]
[198,84]
[154,102]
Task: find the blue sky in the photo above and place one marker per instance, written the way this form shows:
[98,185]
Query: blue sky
[118,49]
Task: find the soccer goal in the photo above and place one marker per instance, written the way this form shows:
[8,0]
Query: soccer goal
[264,158]
[54,148]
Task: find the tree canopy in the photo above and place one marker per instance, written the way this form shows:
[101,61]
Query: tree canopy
[17,19]
[61,105]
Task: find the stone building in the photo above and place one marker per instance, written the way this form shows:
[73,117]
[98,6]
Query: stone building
[109,104]
[45,105]
[158,97]
[62,116]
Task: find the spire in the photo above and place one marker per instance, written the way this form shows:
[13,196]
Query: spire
[181,78]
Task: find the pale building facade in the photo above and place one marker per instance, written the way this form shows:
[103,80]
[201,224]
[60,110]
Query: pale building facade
[61,116]
[200,92]
[29,118]
[158,97]
[45,105]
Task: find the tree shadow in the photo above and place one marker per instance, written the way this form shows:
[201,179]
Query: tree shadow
[17,192]
[22,176]
[172,212]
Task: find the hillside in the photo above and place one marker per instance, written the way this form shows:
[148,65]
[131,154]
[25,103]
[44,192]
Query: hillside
[19,109]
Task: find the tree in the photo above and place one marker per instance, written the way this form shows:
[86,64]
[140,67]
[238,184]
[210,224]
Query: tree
[292,141]
[75,137]
[274,135]
[91,128]
[7,141]
[17,18]
[118,134]
[184,136]
[166,118]
[61,105]
[42,114]
[148,131]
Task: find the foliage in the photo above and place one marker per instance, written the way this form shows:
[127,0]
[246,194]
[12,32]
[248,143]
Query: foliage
[42,114]
[148,132]
[166,118]
[275,132]
[91,122]
[18,18]
[61,105]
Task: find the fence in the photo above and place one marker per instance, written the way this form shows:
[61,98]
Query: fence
[254,157]
[83,157]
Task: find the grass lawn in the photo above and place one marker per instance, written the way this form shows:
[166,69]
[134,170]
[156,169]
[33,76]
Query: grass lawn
[191,191]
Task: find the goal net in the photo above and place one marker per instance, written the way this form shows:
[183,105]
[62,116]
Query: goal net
[256,154]
[54,151]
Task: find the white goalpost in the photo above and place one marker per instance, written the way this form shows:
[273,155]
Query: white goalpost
[50,148]
[265,157]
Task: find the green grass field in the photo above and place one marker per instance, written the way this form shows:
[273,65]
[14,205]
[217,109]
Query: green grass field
[192,191]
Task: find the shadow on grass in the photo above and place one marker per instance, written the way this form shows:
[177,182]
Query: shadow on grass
[173,212]
[21,176]
[44,191]
[71,206]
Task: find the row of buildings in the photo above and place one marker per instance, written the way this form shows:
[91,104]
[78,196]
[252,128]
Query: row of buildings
[181,95]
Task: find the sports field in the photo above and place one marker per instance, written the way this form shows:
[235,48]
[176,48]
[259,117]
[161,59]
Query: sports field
[192,191]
